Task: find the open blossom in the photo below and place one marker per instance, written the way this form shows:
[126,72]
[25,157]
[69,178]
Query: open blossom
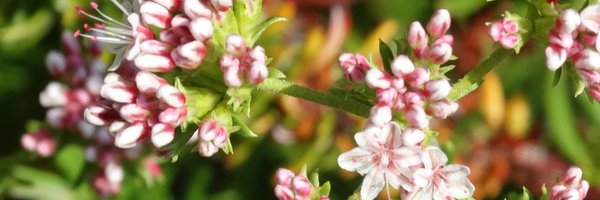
[436,180]
[571,186]
[241,60]
[506,32]
[211,137]
[292,186]
[382,157]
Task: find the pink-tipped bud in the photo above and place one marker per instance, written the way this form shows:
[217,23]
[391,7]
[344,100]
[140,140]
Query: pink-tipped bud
[589,76]
[29,141]
[171,95]
[46,145]
[201,29]
[413,99]
[568,21]
[437,89]
[148,83]
[230,66]
[196,9]
[589,59]
[169,4]
[440,52]
[257,54]
[302,187]
[555,57]
[380,114]
[154,62]
[443,108]
[173,116]
[155,47]
[155,14]
[417,78]
[284,177]
[222,5]
[564,40]
[386,96]
[118,92]
[355,66]
[417,38]
[55,94]
[56,63]
[589,18]
[130,135]
[162,134]
[439,23]
[284,193]
[416,117]
[377,79]
[235,44]
[413,137]
[571,186]
[189,55]
[402,65]
[258,72]
[133,112]
[211,136]
[572,176]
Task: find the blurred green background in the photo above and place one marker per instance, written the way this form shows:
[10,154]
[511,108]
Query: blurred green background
[516,130]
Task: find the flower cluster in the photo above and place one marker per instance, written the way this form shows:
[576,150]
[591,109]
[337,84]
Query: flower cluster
[292,186]
[211,137]
[185,28]
[574,37]
[570,186]
[241,60]
[391,154]
[506,32]
[40,142]
[136,105]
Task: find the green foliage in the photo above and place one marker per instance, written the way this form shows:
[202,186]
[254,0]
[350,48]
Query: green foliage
[70,161]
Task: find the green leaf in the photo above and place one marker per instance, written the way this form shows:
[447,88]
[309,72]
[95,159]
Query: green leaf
[314,178]
[276,73]
[526,194]
[557,75]
[325,189]
[257,31]
[545,195]
[244,130]
[70,161]
[386,55]
[240,99]
[402,46]
[24,34]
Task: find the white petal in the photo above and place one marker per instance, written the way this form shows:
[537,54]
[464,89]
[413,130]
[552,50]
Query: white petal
[357,159]
[372,185]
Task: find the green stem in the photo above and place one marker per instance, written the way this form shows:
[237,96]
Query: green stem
[474,78]
[284,87]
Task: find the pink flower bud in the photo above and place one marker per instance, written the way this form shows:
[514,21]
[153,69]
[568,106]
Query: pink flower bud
[118,92]
[148,83]
[568,21]
[510,41]
[439,52]
[402,65]
[380,115]
[105,188]
[443,108]
[222,5]
[564,40]
[571,186]
[439,23]
[302,187]
[171,95]
[589,76]
[572,176]
[377,79]
[46,146]
[133,112]
[169,4]
[130,135]
[55,94]
[117,126]
[180,24]
[162,134]
[235,44]
[416,117]
[258,72]
[114,173]
[201,29]
[417,78]
[56,63]
[29,141]
[555,57]
[590,18]
[413,137]
[155,14]
[437,89]
[417,38]
[257,54]
[284,177]
[154,62]
[284,193]
[413,99]
[386,96]
[589,59]
[155,47]
[173,116]
[211,138]
[355,66]
[196,9]
[189,55]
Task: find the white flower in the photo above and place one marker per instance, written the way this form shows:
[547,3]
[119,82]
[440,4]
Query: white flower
[438,181]
[380,156]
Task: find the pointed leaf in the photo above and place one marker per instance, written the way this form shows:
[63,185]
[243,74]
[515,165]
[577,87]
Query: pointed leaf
[244,130]
[557,75]
[386,55]
[260,28]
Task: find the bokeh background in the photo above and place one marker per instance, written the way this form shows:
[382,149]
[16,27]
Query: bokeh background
[516,130]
